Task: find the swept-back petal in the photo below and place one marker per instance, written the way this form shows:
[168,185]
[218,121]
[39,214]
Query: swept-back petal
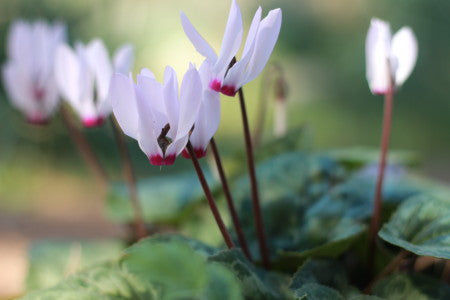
[122,96]
[171,102]
[147,132]
[190,100]
[20,41]
[207,122]
[100,64]
[123,59]
[18,87]
[265,40]
[252,31]
[67,74]
[232,39]
[378,44]
[200,44]
[404,54]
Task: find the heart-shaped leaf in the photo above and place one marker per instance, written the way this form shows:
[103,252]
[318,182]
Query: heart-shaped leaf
[421,225]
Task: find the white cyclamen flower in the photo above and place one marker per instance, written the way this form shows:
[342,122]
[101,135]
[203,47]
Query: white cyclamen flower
[155,114]
[389,59]
[260,42]
[28,75]
[87,68]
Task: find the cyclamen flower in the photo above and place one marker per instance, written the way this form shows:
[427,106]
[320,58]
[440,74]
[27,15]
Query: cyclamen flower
[389,59]
[260,42]
[154,114]
[79,72]
[28,75]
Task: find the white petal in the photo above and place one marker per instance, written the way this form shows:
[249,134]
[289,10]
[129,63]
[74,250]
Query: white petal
[123,100]
[146,72]
[67,74]
[265,41]
[100,64]
[171,102]
[404,53]
[153,91]
[19,88]
[200,44]
[207,121]
[232,39]
[378,43]
[206,74]
[252,31]
[123,59]
[190,100]
[147,133]
[20,41]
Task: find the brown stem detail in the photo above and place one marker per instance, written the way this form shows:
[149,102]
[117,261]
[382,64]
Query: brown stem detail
[229,198]
[83,146]
[209,197]
[375,222]
[393,264]
[139,226]
[254,185]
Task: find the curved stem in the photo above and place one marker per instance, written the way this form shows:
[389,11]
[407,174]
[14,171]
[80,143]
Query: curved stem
[209,197]
[83,146]
[254,185]
[139,226]
[375,222]
[229,198]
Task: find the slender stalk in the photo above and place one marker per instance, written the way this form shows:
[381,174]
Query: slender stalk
[83,146]
[209,197]
[375,222]
[229,198]
[139,226]
[393,264]
[254,185]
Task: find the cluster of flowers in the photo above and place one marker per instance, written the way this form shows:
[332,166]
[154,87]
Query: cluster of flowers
[162,117]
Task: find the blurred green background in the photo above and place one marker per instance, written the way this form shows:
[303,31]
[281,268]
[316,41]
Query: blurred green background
[321,49]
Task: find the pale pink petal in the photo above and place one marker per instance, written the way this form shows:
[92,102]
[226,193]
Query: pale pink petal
[122,97]
[403,54]
[67,74]
[123,59]
[265,41]
[100,65]
[190,100]
[378,43]
[200,44]
[171,102]
[19,88]
[232,39]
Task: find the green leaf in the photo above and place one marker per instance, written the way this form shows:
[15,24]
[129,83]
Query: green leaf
[315,291]
[312,271]
[164,199]
[294,174]
[415,286]
[421,225]
[53,260]
[179,271]
[356,157]
[255,283]
[106,281]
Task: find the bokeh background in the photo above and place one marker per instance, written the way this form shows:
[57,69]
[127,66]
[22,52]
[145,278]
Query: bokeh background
[45,189]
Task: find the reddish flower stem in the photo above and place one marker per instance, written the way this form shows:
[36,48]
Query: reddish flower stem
[209,197]
[83,146]
[376,216]
[254,185]
[229,198]
[139,226]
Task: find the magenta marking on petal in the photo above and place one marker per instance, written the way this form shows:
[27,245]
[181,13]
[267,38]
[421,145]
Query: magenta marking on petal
[228,90]
[156,160]
[169,160]
[199,153]
[38,94]
[185,154]
[93,122]
[37,120]
[215,85]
